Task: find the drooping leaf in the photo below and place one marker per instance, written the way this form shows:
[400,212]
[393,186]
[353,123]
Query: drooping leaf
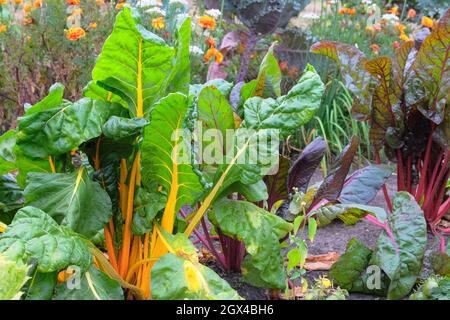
[59,130]
[134,64]
[175,278]
[13,275]
[54,99]
[401,259]
[363,185]
[347,213]
[33,234]
[179,275]
[432,66]
[7,156]
[356,78]
[305,165]
[260,231]
[331,186]
[223,86]
[72,199]
[350,271]
[117,128]
[253,192]
[93,285]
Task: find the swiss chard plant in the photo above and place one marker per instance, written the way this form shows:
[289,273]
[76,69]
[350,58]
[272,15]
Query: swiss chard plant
[404,99]
[104,183]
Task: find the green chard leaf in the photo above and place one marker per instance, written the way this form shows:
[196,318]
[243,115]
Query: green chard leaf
[134,64]
[72,199]
[7,156]
[260,231]
[13,275]
[34,235]
[348,213]
[402,258]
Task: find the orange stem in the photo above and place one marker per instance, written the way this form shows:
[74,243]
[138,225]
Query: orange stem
[110,248]
[52,166]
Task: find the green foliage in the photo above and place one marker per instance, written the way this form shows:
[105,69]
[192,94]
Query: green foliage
[13,275]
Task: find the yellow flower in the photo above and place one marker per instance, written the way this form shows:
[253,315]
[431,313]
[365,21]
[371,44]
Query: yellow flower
[158,23]
[427,22]
[76,33]
[207,22]
[213,53]
[3,28]
[393,10]
[93,25]
[326,282]
[18,1]
[27,7]
[3,2]
[404,37]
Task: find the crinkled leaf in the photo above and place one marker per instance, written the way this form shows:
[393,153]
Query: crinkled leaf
[348,213]
[351,65]
[432,65]
[13,275]
[53,100]
[146,206]
[59,130]
[94,285]
[223,86]
[288,112]
[350,271]
[33,234]
[118,128]
[363,185]
[11,197]
[72,199]
[134,64]
[402,260]
[260,231]
[40,286]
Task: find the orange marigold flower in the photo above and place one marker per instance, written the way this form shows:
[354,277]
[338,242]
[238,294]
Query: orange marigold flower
[100,2]
[207,22]
[213,53]
[27,7]
[343,11]
[427,22]
[37,4]
[93,25]
[411,14]
[401,27]
[351,11]
[18,1]
[375,48]
[158,23]
[73,2]
[210,42]
[3,2]
[393,10]
[76,33]
[3,28]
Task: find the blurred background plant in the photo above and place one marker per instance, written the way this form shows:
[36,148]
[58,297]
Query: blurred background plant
[47,41]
